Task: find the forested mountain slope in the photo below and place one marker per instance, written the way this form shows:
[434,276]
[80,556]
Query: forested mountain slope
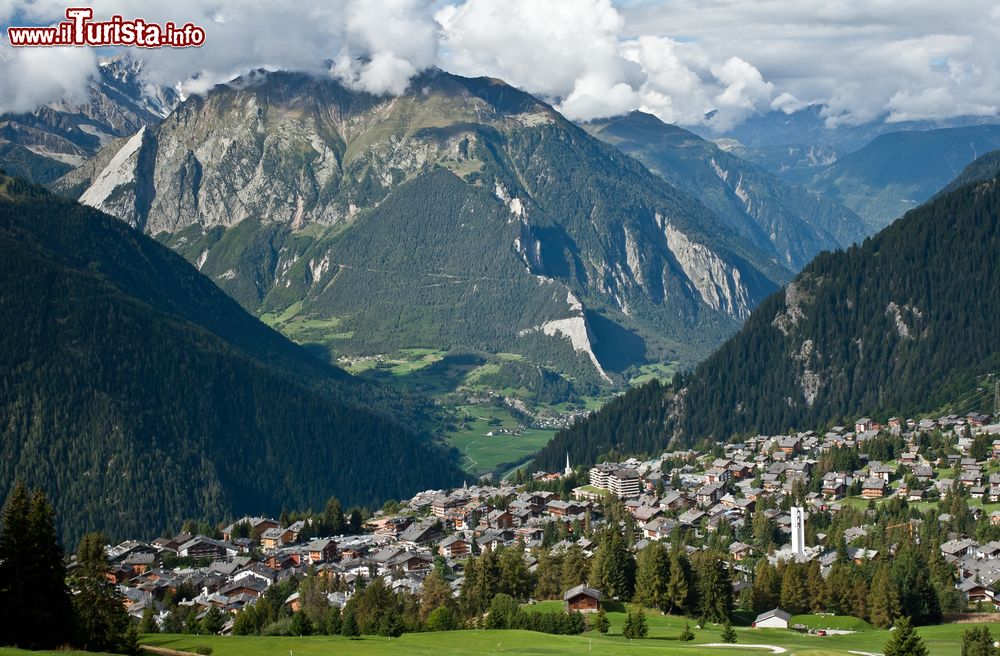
[900,324]
[138,394]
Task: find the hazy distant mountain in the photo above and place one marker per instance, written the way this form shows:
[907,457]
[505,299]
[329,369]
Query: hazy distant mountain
[138,394]
[898,171]
[46,143]
[904,323]
[462,214]
[795,224]
[797,145]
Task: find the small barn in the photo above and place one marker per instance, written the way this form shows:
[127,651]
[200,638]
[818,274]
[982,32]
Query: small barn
[772,619]
[582,599]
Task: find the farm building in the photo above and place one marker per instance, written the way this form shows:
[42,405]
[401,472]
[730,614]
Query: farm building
[772,619]
[583,599]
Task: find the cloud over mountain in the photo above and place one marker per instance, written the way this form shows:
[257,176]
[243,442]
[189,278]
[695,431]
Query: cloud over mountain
[687,61]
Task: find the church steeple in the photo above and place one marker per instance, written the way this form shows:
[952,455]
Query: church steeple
[568,469]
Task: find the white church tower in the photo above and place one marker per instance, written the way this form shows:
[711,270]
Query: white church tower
[798,531]
[568,469]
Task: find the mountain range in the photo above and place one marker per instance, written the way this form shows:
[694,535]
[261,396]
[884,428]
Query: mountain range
[54,139]
[463,214]
[139,395]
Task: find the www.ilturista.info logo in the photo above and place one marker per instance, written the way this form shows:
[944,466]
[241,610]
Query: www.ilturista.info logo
[79,30]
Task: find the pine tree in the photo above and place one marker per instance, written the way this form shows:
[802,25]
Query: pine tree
[213,621]
[978,641]
[678,589]
[35,608]
[102,623]
[794,591]
[687,634]
[349,623]
[728,632]
[765,588]
[652,577]
[574,568]
[148,623]
[905,641]
[883,600]
[635,623]
[602,624]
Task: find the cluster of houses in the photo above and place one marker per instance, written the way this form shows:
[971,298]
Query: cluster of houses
[660,494]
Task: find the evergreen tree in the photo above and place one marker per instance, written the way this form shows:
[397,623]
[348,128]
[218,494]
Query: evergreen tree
[794,590]
[148,622]
[602,624]
[728,632]
[101,621]
[613,569]
[678,588]
[765,588]
[332,623]
[652,577]
[574,568]
[213,621]
[715,589]
[904,641]
[635,623]
[883,601]
[349,623]
[687,634]
[441,619]
[978,641]
[435,593]
[35,608]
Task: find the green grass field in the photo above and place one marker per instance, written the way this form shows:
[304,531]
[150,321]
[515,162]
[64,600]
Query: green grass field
[480,453]
[943,640]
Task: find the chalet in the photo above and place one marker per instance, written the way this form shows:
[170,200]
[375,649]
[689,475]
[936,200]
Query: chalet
[863,425]
[203,547]
[789,445]
[322,550]
[740,551]
[717,475]
[659,528]
[834,486]
[274,538]
[497,519]
[453,547]
[708,494]
[582,599]
[421,533]
[873,488]
[975,592]
[878,470]
[441,503]
[563,508]
[257,526]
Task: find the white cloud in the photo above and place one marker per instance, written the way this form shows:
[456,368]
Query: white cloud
[30,77]
[679,59]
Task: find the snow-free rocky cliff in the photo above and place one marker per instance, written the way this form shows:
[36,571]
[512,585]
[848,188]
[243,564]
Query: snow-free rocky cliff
[462,214]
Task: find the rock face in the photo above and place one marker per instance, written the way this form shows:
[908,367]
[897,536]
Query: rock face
[47,143]
[790,222]
[461,214]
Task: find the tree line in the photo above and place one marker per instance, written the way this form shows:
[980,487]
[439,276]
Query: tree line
[43,603]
